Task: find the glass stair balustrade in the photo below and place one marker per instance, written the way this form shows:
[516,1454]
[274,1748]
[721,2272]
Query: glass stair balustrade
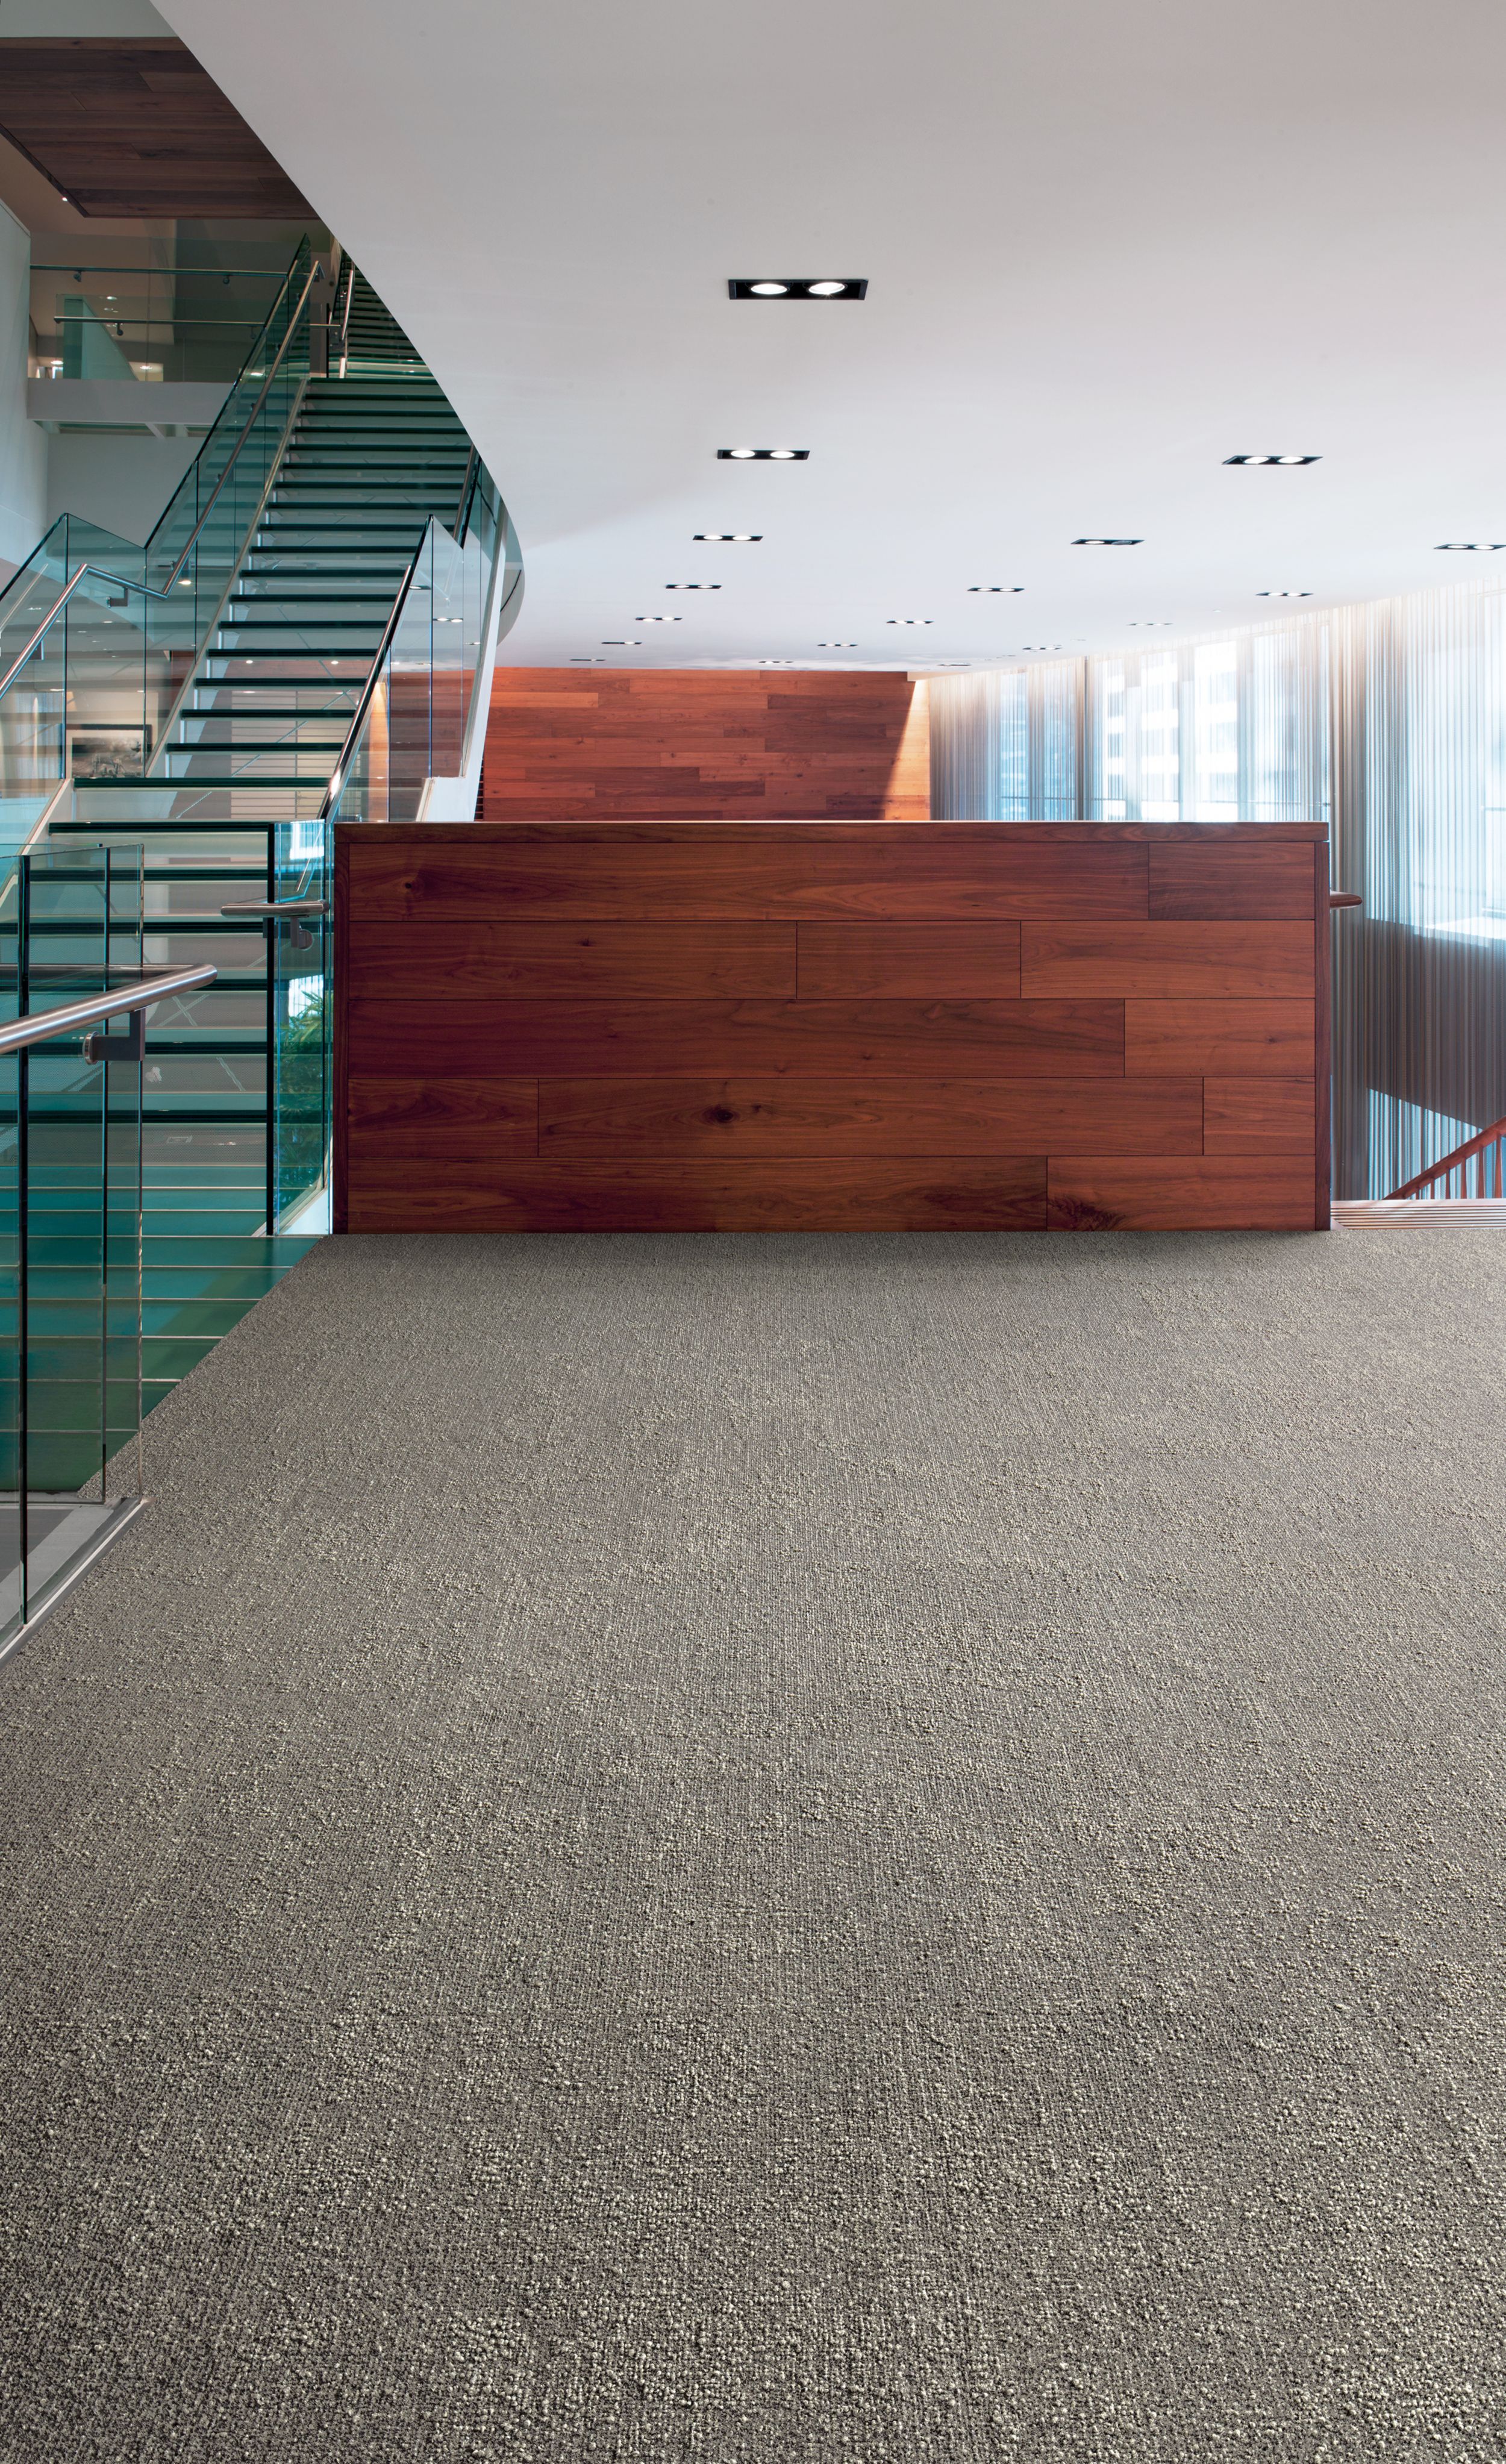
[338,674]
[71,1324]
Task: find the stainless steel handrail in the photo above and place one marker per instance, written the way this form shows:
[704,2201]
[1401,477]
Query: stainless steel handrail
[154,984]
[368,694]
[265,907]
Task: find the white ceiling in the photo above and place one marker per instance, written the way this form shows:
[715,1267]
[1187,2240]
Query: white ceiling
[1107,244]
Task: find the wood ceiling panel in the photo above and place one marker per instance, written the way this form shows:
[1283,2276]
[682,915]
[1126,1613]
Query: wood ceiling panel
[137,128]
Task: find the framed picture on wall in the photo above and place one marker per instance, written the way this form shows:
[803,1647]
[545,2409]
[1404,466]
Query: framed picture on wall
[103,751]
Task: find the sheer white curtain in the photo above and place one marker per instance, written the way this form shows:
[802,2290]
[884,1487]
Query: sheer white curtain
[1389,721]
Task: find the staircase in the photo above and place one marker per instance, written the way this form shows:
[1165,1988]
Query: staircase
[1472,1174]
[232,811]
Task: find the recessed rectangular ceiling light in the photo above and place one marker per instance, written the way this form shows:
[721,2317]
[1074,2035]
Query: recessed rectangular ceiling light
[1108,542]
[1469,547]
[1269,461]
[995,589]
[727,538]
[796,286]
[659,620]
[692,585]
[1283,594]
[763,453]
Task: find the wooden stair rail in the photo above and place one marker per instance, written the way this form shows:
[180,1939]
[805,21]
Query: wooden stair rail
[1475,1151]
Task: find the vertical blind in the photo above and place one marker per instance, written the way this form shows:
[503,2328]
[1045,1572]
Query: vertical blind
[1386,721]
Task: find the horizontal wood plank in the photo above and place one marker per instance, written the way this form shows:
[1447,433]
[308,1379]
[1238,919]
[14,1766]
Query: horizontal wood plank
[936,874]
[966,961]
[1213,962]
[1192,883]
[945,1192]
[499,958]
[578,1039]
[814,1117]
[1259,1115]
[1235,1039]
[417,1117]
[800,744]
[1181,1193]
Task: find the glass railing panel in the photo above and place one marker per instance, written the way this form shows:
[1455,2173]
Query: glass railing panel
[301,1018]
[31,593]
[151,322]
[33,718]
[70,1227]
[456,605]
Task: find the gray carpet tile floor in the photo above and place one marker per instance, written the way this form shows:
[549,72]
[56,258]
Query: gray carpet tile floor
[773,1850]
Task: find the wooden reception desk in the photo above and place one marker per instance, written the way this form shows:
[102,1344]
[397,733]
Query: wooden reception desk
[831,1027]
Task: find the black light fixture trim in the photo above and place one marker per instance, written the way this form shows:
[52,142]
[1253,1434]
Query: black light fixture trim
[659,620]
[763,453]
[1108,542]
[796,286]
[910,620]
[727,538]
[995,589]
[837,645]
[1270,461]
[1469,547]
[692,585]
[1283,594]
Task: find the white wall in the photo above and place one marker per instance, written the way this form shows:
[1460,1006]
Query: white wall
[23,447]
[121,482]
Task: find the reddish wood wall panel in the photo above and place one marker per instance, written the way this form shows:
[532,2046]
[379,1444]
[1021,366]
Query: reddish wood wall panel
[581,1039]
[804,1116]
[676,1194]
[1259,1115]
[1233,1039]
[945,871]
[1217,962]
[604,744]
[1198,884]
[608,960]
[714,1027]
[959,961]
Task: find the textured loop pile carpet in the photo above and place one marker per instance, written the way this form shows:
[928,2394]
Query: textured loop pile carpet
[770,1850]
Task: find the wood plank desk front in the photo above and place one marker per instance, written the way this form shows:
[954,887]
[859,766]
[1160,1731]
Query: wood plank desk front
[831,1027]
